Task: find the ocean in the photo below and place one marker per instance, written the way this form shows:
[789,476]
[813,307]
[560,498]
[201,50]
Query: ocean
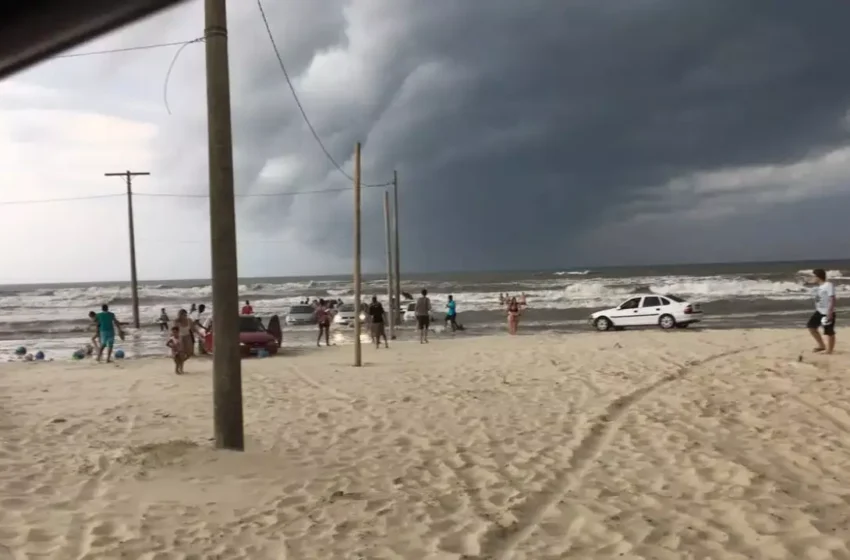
[53,317]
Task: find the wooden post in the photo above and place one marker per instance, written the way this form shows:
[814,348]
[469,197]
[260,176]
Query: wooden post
[387,227]
[134,278]
[399,310]
[227,359]
[358,353]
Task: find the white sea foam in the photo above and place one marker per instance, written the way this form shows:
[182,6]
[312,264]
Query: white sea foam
[25,310]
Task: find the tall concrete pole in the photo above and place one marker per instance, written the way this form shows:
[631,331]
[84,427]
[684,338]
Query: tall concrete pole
[134,278]
[227,359]
[358,353]
[399,310]
[390,287]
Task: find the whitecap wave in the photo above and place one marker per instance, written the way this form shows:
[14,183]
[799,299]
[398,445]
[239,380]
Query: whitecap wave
[573,273]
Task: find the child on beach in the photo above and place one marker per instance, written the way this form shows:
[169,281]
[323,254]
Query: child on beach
[95,338]
[163,320]
[176,346]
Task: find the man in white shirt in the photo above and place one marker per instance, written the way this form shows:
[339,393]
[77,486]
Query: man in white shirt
[196,317]
[824,315]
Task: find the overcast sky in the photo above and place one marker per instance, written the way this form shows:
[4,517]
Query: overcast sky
[534,134]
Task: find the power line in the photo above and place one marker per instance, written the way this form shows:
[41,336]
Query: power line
[246,195]
[253,195]
[127,49]
[173,195]
[298,101]
[171,68]
[257,241]
[67,199]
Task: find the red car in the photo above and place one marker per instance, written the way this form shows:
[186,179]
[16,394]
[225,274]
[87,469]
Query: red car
[254,336]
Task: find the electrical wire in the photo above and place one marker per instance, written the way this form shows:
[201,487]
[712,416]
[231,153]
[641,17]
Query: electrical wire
[174,195]
[300,106]
[171,67]
[66,199]
[125,49]
[238,195]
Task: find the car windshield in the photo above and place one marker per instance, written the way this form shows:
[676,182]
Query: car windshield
[301,310]
[251,323]
[411,307]
[347,308]
[674,298]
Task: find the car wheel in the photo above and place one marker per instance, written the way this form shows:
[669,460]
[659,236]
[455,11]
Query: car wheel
[667,322]
[602,324]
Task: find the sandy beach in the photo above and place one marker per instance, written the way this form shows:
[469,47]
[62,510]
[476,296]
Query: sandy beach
[656,445]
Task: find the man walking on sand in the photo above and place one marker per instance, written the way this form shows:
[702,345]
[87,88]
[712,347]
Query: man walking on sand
[824,315]
[106,326]
[423,316]
[376,323]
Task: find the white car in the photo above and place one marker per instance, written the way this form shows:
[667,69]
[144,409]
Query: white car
[301,315]
[410,315]
[345,315]
[667,312]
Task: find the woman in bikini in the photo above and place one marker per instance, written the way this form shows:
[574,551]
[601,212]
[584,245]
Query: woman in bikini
[323,320]
[186,328]
[513,316]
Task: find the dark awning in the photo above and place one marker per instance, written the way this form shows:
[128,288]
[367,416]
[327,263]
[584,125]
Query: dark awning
[32,30]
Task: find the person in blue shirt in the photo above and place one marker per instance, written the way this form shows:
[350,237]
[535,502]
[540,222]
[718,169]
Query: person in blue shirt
[451,313]
[107,325]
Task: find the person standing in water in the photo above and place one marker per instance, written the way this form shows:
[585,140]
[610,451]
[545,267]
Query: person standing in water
[107,326]
[513,316]
[247,309]
[163,320]
[422,309]
[451,313]
[323,320]
[824,315]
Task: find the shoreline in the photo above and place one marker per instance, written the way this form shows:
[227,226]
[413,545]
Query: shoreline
[150,342]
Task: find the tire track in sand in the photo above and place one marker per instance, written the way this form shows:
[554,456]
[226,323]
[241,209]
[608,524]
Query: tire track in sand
[499,543]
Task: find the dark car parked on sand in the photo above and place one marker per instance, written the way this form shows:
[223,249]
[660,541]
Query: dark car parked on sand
[254,336]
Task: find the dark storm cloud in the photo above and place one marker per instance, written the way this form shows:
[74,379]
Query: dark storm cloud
[517,127]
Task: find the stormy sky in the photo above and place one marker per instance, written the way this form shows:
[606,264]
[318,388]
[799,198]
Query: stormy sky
[536,134]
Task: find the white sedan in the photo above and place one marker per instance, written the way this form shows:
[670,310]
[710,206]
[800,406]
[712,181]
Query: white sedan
[345,315]
[667,312]
[410,315]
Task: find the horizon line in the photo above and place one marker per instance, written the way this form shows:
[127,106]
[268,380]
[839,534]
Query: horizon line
[581,268]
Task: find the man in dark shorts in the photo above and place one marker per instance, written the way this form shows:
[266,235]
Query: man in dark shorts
[107,325]
[824,315]
[376,322]
[451,314]
[422,309]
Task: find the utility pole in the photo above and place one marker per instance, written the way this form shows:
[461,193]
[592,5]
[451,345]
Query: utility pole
[134,279]
[397,266]
[358,354]
[227,358]
[390,286]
